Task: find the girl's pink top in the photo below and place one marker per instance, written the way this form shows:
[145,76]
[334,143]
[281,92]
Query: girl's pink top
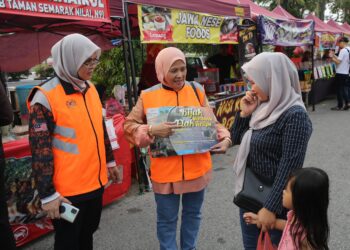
[287,242]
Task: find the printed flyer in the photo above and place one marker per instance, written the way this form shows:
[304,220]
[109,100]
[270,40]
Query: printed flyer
[196,134]
[164,25]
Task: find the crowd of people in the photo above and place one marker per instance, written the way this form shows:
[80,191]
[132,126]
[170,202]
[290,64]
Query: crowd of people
[72,158]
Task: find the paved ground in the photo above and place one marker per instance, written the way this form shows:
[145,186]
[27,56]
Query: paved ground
[129,224]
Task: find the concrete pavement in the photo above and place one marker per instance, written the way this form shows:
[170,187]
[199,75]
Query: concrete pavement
[129,224]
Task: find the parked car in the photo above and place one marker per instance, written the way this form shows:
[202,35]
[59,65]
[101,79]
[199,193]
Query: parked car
[194,63]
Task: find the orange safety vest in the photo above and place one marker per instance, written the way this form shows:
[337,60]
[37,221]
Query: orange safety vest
[176,168]
[78,139]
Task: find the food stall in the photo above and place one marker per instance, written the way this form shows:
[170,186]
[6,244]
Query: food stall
[324,69]
[170,23]
[27,36]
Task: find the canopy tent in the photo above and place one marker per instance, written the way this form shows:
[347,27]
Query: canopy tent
[320,26]
[257,10]
[282,12]
[216,7]
[338,27]
[346,26]
[26,40]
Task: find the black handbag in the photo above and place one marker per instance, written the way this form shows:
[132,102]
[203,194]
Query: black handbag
[254,192]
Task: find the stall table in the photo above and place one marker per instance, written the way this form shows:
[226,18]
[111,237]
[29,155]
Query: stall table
[321,88]
[27,220]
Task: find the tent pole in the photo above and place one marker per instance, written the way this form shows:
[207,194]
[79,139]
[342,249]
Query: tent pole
[131,51]
[126,63]
[312,78]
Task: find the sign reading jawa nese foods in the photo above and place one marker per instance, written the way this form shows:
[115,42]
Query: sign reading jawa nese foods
[163,25]
[92,10]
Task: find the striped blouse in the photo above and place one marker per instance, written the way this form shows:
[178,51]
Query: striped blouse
[276,149]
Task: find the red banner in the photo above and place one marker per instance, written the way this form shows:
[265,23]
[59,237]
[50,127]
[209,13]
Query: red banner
[87,10]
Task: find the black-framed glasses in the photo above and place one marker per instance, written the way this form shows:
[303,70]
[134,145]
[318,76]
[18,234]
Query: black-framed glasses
[91,62]
[247,82]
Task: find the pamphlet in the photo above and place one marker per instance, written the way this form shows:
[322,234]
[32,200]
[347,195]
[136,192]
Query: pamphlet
[197,132]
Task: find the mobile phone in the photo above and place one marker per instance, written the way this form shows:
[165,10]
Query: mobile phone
[68,212]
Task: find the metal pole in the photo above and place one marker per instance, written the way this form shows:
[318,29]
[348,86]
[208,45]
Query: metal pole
[132,61]
[126,63]
[312,78]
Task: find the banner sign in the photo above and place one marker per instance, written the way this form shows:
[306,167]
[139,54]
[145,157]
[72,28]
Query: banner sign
[164,25]
[247,43]
[196,132]
[87,10]
[225,110]
[326,40]
[286,32]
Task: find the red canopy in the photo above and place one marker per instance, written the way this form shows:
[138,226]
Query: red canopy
[257,10]
[320,26]
[346,26]
[215,7]
[338,27]
[27,40]
[282,12]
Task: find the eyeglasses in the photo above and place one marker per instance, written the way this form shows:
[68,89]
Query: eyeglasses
[91,63]
[247,82]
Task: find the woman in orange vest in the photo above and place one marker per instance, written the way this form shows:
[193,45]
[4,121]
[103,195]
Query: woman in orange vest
[174,177]
[69,143]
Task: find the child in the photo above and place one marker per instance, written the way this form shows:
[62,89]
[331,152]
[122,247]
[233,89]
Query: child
[307,197]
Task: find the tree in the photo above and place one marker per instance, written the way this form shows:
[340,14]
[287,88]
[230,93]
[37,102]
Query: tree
[342,10]
[296,7]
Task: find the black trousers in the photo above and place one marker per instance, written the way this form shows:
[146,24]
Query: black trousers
[7,241]
[79,235]
[342,89]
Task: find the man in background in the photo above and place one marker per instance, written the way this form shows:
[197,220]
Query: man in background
[342,74]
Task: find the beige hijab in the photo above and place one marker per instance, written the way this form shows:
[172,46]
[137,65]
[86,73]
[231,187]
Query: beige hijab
[68,56]
[165,60]
[277,77]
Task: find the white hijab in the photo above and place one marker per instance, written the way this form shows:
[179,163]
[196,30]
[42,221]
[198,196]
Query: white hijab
[68,56]
[277,77]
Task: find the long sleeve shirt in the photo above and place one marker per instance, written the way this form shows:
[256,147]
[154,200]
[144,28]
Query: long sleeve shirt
[276,149]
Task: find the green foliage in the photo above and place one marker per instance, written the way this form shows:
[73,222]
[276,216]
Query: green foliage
[43,70]
[342,10]
[111,69]
[15,76]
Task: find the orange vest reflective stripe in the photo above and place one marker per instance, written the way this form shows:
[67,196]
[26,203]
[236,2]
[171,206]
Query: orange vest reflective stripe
[78,139]
[176,168]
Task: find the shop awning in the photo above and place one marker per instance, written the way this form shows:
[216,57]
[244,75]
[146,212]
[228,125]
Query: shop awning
[282,12]
[257,10]
[27,40]
[338,27]
[320,26]
[346,26]
[215,7]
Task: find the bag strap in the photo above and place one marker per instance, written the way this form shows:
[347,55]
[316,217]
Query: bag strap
[195,91]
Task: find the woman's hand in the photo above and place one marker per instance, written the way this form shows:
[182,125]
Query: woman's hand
[221,147]
[52,208]
[267,219]
[164,129]
[248,104]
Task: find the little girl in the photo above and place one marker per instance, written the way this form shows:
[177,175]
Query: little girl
[306,196]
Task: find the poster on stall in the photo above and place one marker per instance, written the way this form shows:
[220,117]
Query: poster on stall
[226,110]
[286,32]
[326,40]
[164,25]
[196,132]
[247,45]
[88,10]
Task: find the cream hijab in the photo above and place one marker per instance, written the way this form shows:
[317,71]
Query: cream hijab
[68,56]
[277,77]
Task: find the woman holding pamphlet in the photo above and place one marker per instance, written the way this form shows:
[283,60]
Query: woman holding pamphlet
[181,172]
